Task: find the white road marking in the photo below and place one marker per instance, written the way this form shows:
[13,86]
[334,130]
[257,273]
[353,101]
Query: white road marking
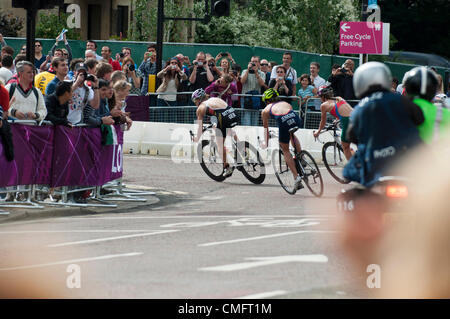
[265,261]
[111,238]
[317,215]
[73,231]
[263,295]
[263,237]
[73,261]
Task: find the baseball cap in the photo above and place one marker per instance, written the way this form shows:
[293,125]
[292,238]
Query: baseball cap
[80,66]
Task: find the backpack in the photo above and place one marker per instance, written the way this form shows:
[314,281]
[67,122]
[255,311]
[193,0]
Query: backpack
[12,89]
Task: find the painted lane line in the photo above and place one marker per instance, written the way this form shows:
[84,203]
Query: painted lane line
[266,261]
[203,216]
[72,231]
[111,238]
[73,261]
[232,241]
[263,295]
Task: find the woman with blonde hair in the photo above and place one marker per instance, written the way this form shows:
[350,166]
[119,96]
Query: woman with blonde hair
[118,108]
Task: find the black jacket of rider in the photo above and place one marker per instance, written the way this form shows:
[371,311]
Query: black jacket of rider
[384,127]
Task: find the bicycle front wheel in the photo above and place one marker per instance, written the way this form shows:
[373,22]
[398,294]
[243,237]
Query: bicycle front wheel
[282,172]
[210,160]
[311,174]
[252,166]
[334,160]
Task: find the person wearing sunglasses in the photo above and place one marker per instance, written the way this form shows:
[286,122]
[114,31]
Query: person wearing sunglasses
[265,67]
[39,58]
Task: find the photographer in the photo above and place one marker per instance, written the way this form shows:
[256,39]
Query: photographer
[172,76]
[341,80]
[201,75]
[84,92]
[253,80]
[226,60]
[282,85]
[129,68]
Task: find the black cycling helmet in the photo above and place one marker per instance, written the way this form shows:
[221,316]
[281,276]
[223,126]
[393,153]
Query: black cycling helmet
[421,82]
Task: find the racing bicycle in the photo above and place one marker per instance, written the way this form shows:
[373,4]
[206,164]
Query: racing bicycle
[246,158]
[306,167]
[332,153]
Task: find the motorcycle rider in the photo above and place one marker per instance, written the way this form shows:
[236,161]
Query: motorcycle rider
[421,85]
[383,125]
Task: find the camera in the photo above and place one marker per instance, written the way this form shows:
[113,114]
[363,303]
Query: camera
[90,77]
[200,63]
[173,67]
[224,54]
[131,67]
[211,64]
[121,55]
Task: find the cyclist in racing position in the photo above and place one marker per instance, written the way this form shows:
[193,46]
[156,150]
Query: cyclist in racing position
[288,122]
[226,119]
[340,109]
[383,125]
[420,85]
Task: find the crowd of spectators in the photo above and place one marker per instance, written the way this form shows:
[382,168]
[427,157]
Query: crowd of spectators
[220,76]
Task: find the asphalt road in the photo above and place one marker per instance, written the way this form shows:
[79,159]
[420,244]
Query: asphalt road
[203,240]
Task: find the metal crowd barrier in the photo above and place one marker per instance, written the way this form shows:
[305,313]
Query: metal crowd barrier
[31,196]
[187,114]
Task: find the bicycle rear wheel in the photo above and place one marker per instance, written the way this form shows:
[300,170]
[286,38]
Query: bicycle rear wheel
[252,166]
[282,172]
[334,160]
[311,177]
[210,160]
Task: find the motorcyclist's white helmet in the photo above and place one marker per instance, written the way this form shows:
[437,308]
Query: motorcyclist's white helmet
[371,77]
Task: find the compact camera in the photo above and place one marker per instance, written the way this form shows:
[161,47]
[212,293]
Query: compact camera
[90,77]
[131,67]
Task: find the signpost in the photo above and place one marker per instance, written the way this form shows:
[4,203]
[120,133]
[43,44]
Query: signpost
[364,38]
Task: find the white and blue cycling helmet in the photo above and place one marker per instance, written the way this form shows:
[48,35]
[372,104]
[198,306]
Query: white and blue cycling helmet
[198,94]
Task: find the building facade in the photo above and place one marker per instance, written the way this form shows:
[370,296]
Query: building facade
[100,19]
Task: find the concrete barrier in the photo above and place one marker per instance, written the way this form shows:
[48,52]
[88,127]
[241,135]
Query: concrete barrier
[171,139]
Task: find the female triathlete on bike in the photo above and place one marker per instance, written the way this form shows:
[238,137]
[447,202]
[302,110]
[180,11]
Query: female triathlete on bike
[288,122]
[340,109]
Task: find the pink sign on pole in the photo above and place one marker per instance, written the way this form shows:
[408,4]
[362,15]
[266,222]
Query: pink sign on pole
[364,38]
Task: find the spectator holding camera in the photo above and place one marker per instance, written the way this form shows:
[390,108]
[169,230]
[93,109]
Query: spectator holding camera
[129,68]
[201,75]
[290,72]
[253,81]
[82,94]
[281,84]
[341,80]
[148,67]
[172,75]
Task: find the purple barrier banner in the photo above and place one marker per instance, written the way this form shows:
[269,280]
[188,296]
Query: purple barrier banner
[81,160]
[138,108]
[33,150]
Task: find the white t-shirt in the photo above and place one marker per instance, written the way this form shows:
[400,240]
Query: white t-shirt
[318,82]
[5,75]
[291,74]
[76,105]
[171,87]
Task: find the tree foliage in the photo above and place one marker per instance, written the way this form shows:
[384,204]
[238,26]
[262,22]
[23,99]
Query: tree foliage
[306,25]
[10,25]
[51,25]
